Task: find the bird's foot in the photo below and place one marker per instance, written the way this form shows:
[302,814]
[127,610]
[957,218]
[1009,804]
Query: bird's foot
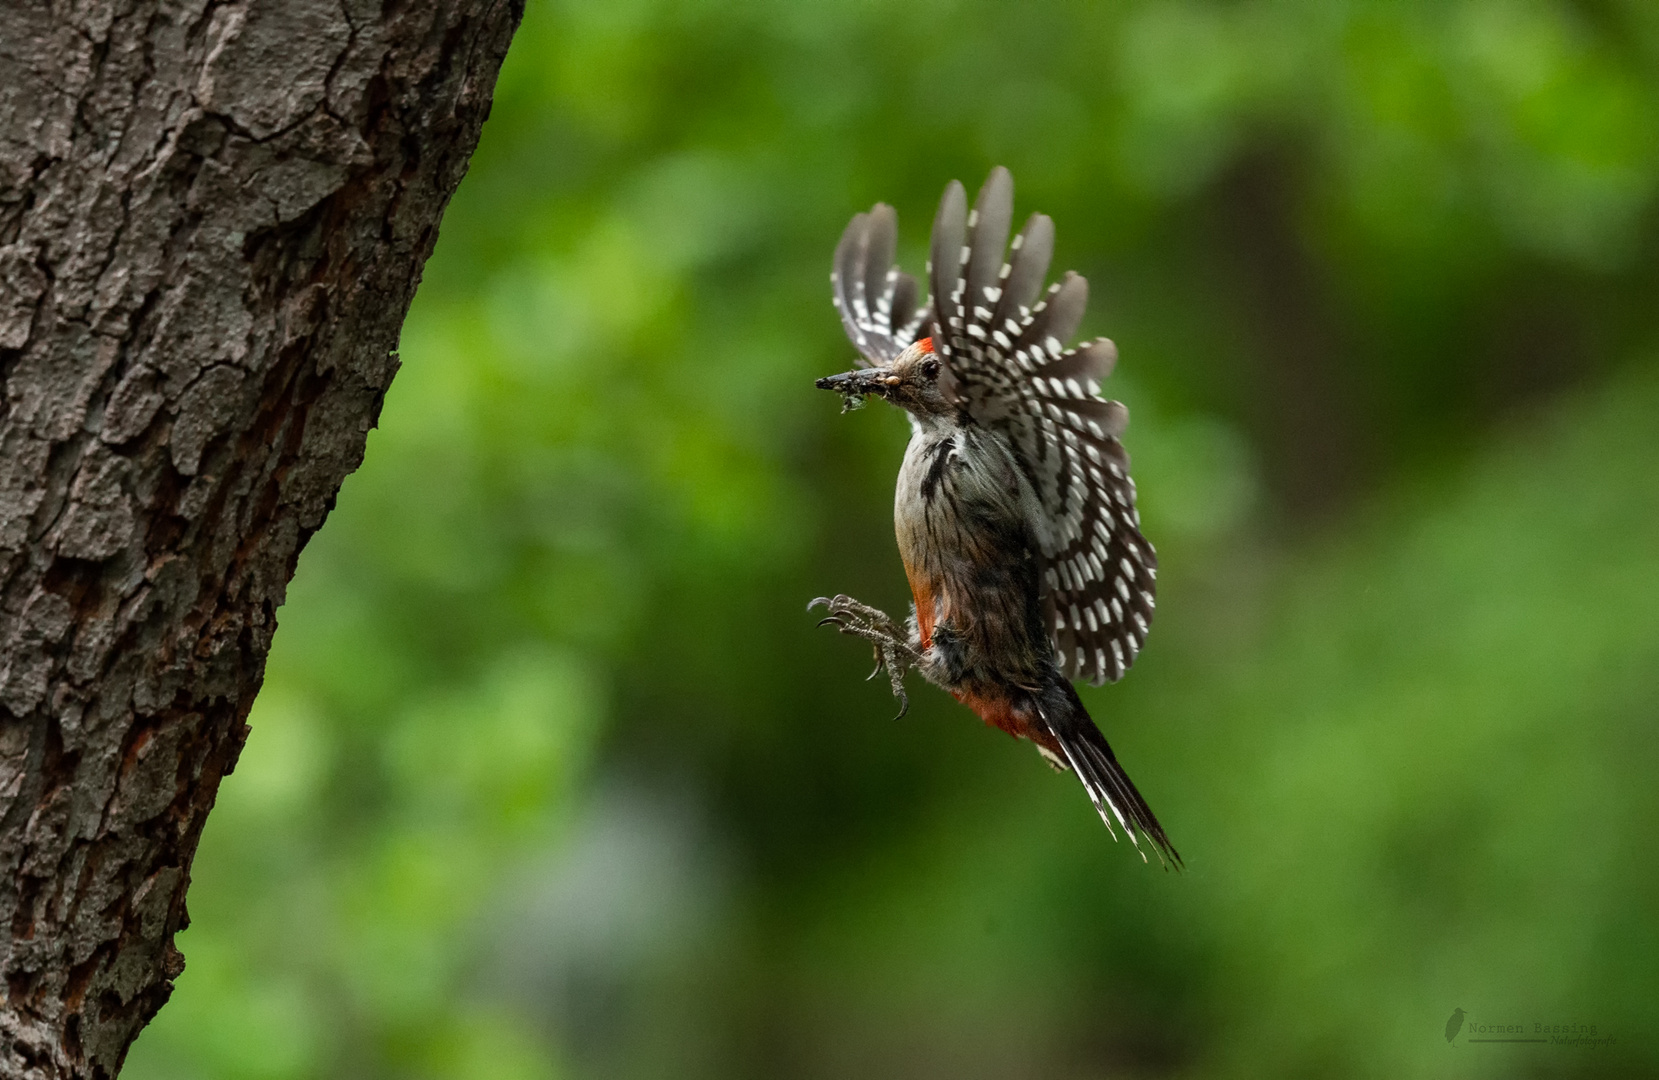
[894,652]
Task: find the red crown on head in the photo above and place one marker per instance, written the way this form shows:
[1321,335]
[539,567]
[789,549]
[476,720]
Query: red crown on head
[926,344]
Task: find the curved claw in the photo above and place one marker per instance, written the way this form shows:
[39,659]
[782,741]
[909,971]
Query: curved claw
[860,620]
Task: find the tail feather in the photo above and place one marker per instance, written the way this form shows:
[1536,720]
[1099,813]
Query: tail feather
[1109,787]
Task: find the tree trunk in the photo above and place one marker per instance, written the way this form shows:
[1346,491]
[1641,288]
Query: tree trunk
[212,218]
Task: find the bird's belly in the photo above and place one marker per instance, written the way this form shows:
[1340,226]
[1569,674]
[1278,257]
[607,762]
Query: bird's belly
[923,534]
[967,554]
[928,523]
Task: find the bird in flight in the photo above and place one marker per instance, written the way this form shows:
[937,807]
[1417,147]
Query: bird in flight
[1015,513]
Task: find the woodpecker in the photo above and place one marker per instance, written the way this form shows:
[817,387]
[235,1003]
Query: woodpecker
[1014,512]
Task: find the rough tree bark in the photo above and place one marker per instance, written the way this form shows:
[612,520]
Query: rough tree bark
[213,214]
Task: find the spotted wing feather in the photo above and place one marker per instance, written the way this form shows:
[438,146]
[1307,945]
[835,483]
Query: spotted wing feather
[877,300]
[1006,362]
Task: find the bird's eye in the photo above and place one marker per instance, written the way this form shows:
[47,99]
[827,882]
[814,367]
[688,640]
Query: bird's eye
[930,368]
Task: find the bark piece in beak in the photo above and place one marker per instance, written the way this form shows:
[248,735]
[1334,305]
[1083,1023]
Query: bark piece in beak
[854,385]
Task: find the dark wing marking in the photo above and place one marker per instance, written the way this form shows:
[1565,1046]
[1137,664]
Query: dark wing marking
[876,300]
[1006,363]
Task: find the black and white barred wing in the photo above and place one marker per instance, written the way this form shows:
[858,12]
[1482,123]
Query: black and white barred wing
[1002,338]
[877,301]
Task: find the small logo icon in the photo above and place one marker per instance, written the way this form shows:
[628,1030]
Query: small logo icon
[1454,1024]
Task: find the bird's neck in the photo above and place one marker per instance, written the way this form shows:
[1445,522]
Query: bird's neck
[933,426]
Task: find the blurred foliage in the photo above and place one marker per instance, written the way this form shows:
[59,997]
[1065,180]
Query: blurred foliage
[552,775]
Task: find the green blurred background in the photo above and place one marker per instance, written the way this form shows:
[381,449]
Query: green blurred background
[552,775]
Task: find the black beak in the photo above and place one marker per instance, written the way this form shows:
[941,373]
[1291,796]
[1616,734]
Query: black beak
[858,383]
[848,382]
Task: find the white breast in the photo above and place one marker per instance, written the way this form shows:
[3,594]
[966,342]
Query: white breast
[977,473]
